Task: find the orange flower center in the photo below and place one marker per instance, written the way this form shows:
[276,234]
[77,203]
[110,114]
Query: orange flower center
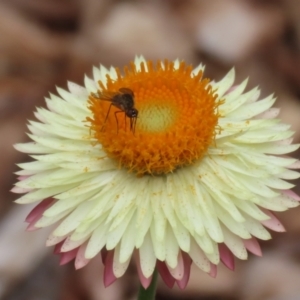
[176,122]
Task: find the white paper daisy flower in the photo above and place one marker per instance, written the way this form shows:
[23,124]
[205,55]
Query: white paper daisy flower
[158,164]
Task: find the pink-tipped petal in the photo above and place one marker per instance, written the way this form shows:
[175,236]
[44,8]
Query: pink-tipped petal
[20,178]
[178,271]
[284,142]
[38,211]
[80,260]
[67,256]
[40,117]
[165,274]
[226,256]
[109,277]
[295,165]
[70,244]
[213,271]
[231,89]
[145,282]
[53,240]
[187,261]
[273,223]
[291,194]
[57,247]
[269,114]
[19,190]
[252,245]
[31,227]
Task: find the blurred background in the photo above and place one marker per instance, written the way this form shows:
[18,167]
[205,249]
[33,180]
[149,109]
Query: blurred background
[44,43]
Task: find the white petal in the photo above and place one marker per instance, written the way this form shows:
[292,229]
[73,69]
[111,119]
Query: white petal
[77,103]
[275,148]
[237,228]
[124,202]
[127,242]
[214,257]
[72,202]
[235,244]
[138,60]
[85,229]
[251,209]
[178,271]
[69,245]
[119,268]
[78,90]
[199,68]
[112,73]
[104,71]
[90,85]
[160,221]
[34,167]
[53,178]
[256,229]
[223,85]
[143,217]
[61,144]
[271,113]
[182,236]
[198,257]
[46,221]
[95,182]
[114,235]
[234,100]
[205,243]
[192,211]
[44,193]
[97,241]
[210,221]
[73,220]
[33,148]
[97,74]
[147,257]
[168,202]
[250,110]
[172,249]
[158,246]
[53,240]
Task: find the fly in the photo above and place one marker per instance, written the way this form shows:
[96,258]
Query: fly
[124,101]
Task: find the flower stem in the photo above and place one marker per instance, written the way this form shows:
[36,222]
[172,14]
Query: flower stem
[149,293]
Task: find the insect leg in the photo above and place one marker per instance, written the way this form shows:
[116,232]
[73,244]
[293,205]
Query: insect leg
[133,124]
[125,123]
[117,112]
[106,117]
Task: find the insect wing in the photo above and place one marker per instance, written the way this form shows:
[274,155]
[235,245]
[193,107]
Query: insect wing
[104,95]
[126,91]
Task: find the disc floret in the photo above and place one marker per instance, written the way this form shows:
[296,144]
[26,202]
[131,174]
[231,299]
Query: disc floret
[177,117]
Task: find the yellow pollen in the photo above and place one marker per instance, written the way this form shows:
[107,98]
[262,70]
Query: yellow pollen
[176,123]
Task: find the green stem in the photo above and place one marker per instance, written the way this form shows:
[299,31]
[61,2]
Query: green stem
[149,293]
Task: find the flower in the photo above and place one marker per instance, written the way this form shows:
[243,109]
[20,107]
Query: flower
[160,164]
